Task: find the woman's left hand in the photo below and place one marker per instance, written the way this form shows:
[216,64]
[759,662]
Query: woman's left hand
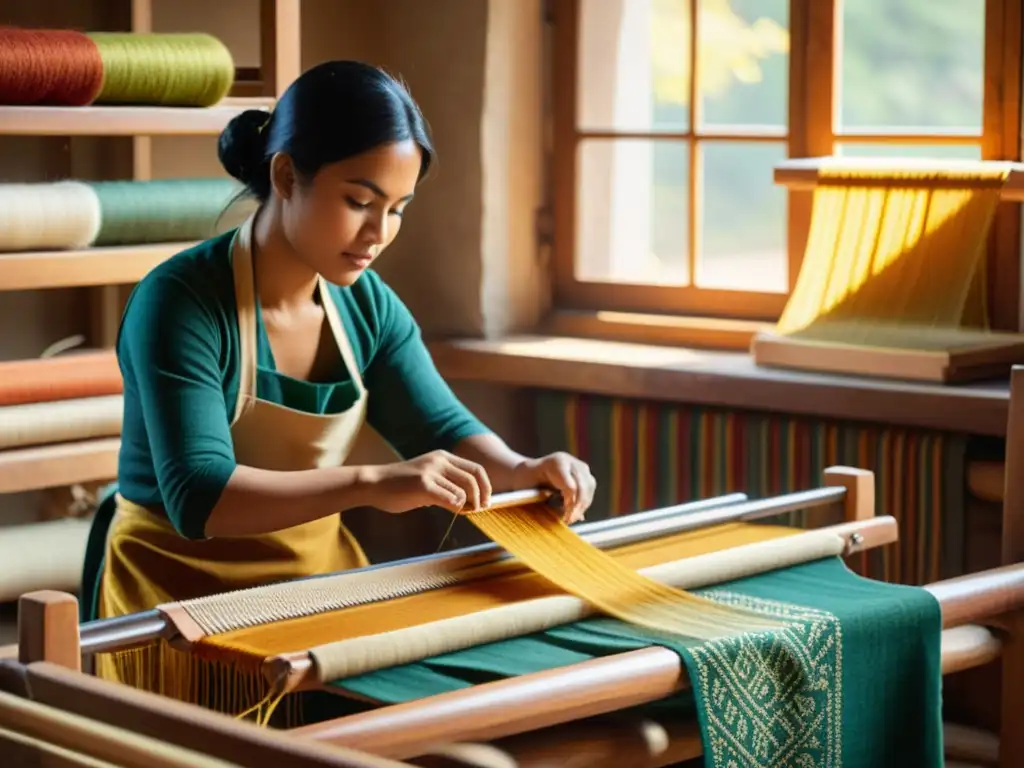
[564,473]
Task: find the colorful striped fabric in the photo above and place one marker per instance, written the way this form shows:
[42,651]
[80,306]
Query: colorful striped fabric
[649,454]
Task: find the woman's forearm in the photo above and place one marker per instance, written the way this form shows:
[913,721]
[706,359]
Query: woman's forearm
[498,460]
[257,501]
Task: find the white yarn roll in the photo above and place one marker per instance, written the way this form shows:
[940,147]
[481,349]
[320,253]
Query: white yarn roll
[55,215]
[45,555]
[63,421]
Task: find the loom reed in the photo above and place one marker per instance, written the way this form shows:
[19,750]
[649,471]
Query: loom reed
[120,632]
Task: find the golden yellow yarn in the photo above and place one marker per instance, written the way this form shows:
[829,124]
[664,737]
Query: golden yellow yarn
[895,247]
[539,539]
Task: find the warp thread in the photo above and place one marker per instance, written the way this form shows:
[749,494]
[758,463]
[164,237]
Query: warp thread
[894,250]
[63,67]
[76,214]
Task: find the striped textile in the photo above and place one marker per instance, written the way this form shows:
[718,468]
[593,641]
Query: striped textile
[649,454]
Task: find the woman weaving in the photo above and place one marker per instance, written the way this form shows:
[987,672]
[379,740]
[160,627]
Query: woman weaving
[252,360]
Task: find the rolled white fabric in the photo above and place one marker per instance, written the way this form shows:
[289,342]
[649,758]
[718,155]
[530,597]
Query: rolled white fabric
[47,555]
[61,421]
[60,215]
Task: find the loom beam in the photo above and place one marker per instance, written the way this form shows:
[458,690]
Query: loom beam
[804,173]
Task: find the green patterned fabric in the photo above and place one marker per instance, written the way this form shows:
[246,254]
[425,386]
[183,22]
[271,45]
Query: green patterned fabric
[853,680]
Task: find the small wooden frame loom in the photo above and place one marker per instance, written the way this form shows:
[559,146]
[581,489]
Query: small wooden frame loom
[886,346]
[983,618]
[850,488]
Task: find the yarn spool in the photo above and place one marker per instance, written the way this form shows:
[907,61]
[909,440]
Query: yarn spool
[56,67]
[176,69]
[57,215]
[164,210]
[79,214]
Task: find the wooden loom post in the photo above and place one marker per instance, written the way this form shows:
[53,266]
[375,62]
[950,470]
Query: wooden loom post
[1013,479]
[858,504]
[1011,735]
[48,629]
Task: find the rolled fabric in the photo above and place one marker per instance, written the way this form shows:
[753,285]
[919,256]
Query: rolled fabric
[46,555]
[67,377]
[54,215]
[60,422]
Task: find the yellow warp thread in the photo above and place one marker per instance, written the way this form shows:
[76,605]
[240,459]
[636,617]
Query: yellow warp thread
[891,248]
[547,546]
[231,688]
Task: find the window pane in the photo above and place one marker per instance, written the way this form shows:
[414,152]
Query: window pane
[744,62]
[912,64]
[932,151]
[631,216]
[742,237]
[634,65]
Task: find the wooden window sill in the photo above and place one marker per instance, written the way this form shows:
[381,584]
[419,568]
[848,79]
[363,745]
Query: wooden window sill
[644,328]
[718,378]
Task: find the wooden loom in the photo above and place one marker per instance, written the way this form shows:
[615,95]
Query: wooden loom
[889,346]
[983,619]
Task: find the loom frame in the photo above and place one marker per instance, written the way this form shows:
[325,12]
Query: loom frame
[296,671]
[969,360]
[983,615]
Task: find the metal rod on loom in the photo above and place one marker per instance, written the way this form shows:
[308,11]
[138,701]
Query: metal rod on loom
[109,634]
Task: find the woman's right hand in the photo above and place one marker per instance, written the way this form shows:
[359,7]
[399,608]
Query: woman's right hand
[438,478]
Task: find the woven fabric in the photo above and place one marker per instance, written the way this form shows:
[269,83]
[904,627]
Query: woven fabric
[648,454]
[853,681]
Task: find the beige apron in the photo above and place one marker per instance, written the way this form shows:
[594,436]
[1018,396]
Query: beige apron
[148,563]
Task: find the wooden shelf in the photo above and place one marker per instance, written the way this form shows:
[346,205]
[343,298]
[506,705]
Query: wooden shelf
[125,121]
[52,466]
[803,173]
[718,379]
[31,270]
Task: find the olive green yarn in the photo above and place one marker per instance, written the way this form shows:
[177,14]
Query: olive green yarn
[173,69]
[164,210]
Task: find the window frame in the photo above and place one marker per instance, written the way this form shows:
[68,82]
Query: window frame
[812,131]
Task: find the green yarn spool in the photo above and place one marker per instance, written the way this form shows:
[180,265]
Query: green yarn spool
[176,69]
[164,210]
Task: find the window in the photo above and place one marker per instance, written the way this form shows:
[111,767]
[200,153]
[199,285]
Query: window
[670,116]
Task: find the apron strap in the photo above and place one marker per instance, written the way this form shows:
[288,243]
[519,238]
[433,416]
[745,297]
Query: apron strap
[334,320]
[245,308]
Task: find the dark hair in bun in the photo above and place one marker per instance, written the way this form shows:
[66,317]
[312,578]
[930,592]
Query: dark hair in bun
[333,111]
[242,149]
